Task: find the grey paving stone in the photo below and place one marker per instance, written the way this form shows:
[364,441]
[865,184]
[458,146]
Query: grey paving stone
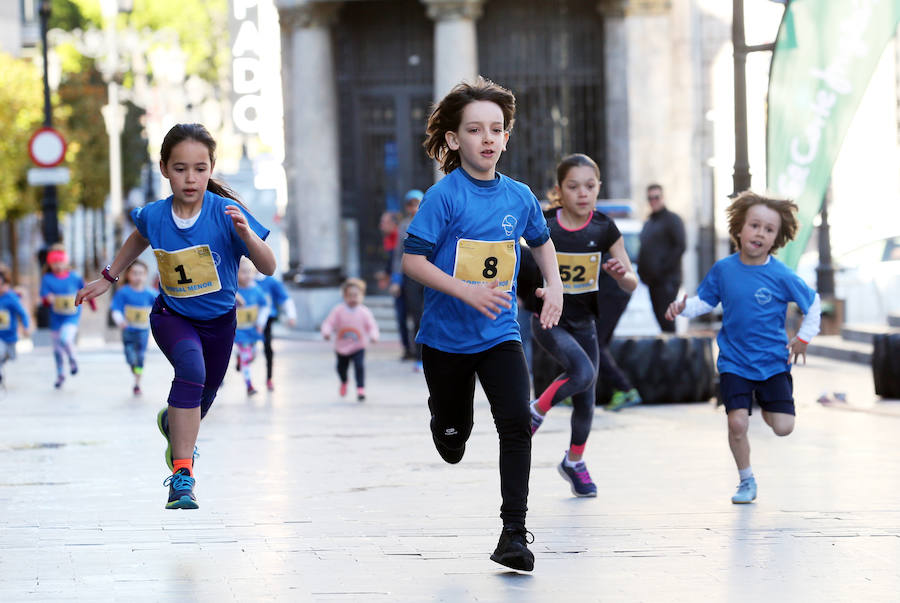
[309,497]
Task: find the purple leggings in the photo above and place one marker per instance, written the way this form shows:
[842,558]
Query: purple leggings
[199,351]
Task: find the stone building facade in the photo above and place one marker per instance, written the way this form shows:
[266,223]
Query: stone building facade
[629,82]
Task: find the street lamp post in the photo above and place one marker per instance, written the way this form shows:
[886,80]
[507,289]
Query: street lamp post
[112,114]
[741,177]
[49,204]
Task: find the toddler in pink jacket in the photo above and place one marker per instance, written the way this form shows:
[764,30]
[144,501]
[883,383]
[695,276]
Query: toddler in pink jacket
[353,326]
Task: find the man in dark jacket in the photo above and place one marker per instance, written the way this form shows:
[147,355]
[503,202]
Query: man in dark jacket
[659,259]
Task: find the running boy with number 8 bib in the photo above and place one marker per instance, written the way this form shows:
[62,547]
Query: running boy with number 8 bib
[463,245]
[198,236]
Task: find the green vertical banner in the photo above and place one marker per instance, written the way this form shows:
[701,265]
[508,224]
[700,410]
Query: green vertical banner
[824,57]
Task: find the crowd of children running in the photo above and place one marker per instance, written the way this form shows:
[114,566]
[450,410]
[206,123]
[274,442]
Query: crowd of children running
[460,256]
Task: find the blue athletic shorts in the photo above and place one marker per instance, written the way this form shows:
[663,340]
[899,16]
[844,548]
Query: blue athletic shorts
[775,394]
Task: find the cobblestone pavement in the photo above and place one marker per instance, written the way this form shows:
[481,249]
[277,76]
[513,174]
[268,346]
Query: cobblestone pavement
[305,496]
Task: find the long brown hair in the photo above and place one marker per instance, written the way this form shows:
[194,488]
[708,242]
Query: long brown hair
[181,132]
[737,215]
[447,115]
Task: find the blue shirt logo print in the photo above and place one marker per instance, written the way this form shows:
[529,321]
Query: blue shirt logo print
[763,296]
[509,224]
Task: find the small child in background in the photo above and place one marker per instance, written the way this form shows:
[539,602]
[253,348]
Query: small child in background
[252,314]
[353,327]
[279,301]
[58,289]
[11,314]
[131,307]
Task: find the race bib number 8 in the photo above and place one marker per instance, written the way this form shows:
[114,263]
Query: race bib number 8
[64,304]
[578,271]
[137,316]
[483,262]
[187,272]
[246,316]
[5,320]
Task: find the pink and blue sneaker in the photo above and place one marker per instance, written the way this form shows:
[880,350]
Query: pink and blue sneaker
[579,478]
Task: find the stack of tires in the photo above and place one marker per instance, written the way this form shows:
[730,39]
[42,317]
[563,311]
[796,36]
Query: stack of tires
[666,368]
[886,364]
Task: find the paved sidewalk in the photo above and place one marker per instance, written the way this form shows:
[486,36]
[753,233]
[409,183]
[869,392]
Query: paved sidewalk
[308,497]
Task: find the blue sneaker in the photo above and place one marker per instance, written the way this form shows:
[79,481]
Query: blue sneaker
[746,492]
[536,418]
[162,422]
[181,490]
[579,478]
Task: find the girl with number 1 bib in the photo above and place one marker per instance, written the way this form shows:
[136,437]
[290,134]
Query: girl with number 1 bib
[463,245]
[198,236]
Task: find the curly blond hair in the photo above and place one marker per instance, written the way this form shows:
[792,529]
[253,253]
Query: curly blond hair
[785,208]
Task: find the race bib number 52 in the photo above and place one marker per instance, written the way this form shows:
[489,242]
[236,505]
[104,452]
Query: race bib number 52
[578,271]
[187,272]
[483,262]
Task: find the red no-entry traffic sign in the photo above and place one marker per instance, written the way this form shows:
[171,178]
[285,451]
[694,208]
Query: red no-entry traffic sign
[47,148]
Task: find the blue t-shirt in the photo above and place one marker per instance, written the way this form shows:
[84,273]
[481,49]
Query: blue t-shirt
[255,301]
[11,314]
[135,306]
[197,265]
[475,228]
[63,309]
[275,291]
[753,341]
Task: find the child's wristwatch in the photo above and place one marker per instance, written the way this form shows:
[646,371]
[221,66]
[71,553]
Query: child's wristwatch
[105,273]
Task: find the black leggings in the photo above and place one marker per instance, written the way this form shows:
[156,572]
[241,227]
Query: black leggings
[610,309]
[661,295]
[267,347]
[359,369]
[504,377]
[577,352]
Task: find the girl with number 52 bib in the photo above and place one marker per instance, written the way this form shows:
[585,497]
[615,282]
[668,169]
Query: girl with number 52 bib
[463,245]
[198,236]
[581,235]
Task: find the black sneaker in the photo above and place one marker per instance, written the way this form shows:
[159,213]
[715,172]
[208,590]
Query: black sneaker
[512,549]
[450,455]
[181,490]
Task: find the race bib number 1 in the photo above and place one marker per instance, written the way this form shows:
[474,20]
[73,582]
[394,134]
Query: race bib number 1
[483,262]
[578,271]
[187,272]
[65,304]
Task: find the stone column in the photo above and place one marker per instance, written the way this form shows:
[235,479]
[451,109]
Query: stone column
[638,88]
[455,42]
[652,113]
[312,160]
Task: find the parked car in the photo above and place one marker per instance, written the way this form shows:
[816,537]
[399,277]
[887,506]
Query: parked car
[867,278]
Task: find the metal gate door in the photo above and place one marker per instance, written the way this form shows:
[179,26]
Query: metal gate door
[385,74]
[550,54]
